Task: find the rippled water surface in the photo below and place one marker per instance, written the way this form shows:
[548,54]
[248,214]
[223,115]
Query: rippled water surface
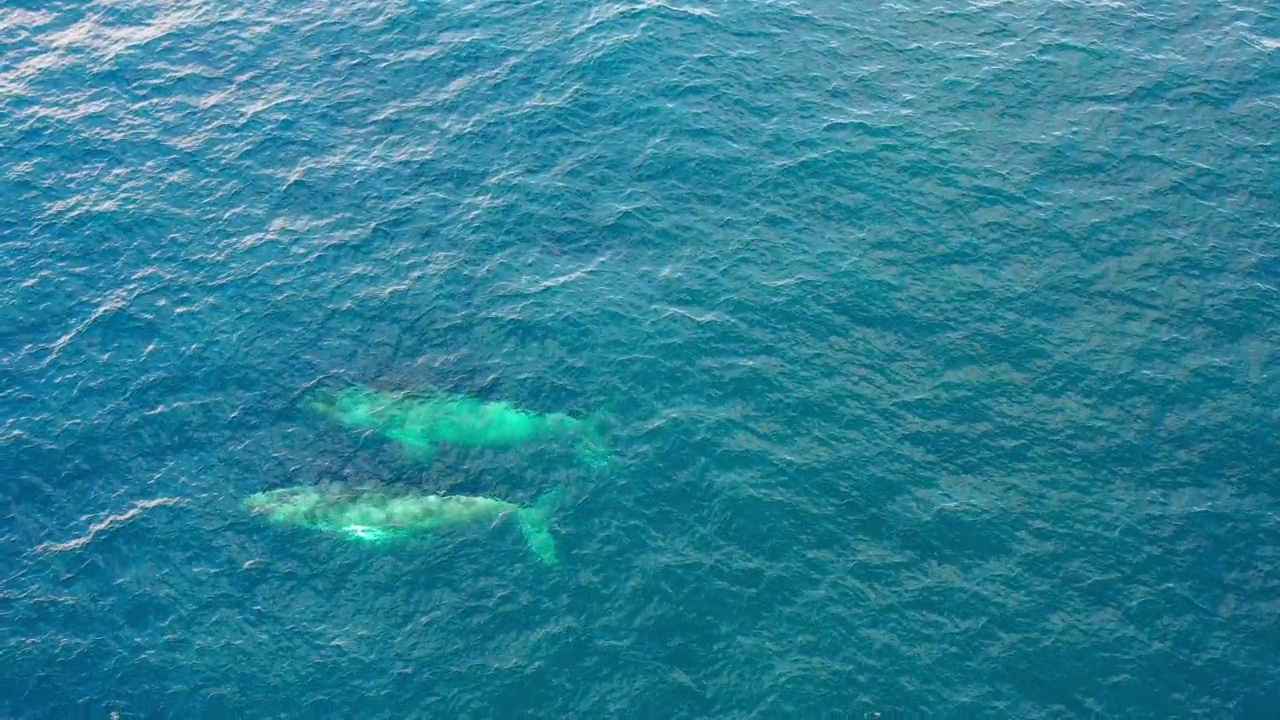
[938,346]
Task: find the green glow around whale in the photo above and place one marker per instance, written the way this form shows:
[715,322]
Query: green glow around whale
[373,515]
[418,422]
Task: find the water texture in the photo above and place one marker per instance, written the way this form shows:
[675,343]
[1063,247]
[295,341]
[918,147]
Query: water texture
[940,343]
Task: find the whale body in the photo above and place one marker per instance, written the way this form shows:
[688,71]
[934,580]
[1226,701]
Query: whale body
[418,421]
[377,515]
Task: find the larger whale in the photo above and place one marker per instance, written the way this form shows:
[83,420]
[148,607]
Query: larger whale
[373,514]
[419,422]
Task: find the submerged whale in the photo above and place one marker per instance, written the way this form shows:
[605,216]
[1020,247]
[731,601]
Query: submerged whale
[418,422]
[376,515]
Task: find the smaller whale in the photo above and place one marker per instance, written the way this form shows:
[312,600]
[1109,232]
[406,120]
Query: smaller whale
[418,422]
[378,515]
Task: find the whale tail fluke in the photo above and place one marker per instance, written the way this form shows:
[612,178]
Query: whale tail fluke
[535,524]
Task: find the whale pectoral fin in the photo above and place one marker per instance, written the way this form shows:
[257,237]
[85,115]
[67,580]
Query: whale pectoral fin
[593,454]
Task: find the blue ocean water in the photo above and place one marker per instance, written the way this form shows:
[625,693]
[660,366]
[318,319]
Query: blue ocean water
[939,341]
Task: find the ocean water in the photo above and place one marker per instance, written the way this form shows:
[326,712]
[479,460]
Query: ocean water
[939,344]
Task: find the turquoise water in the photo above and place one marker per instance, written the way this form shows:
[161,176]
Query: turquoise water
[940,344]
